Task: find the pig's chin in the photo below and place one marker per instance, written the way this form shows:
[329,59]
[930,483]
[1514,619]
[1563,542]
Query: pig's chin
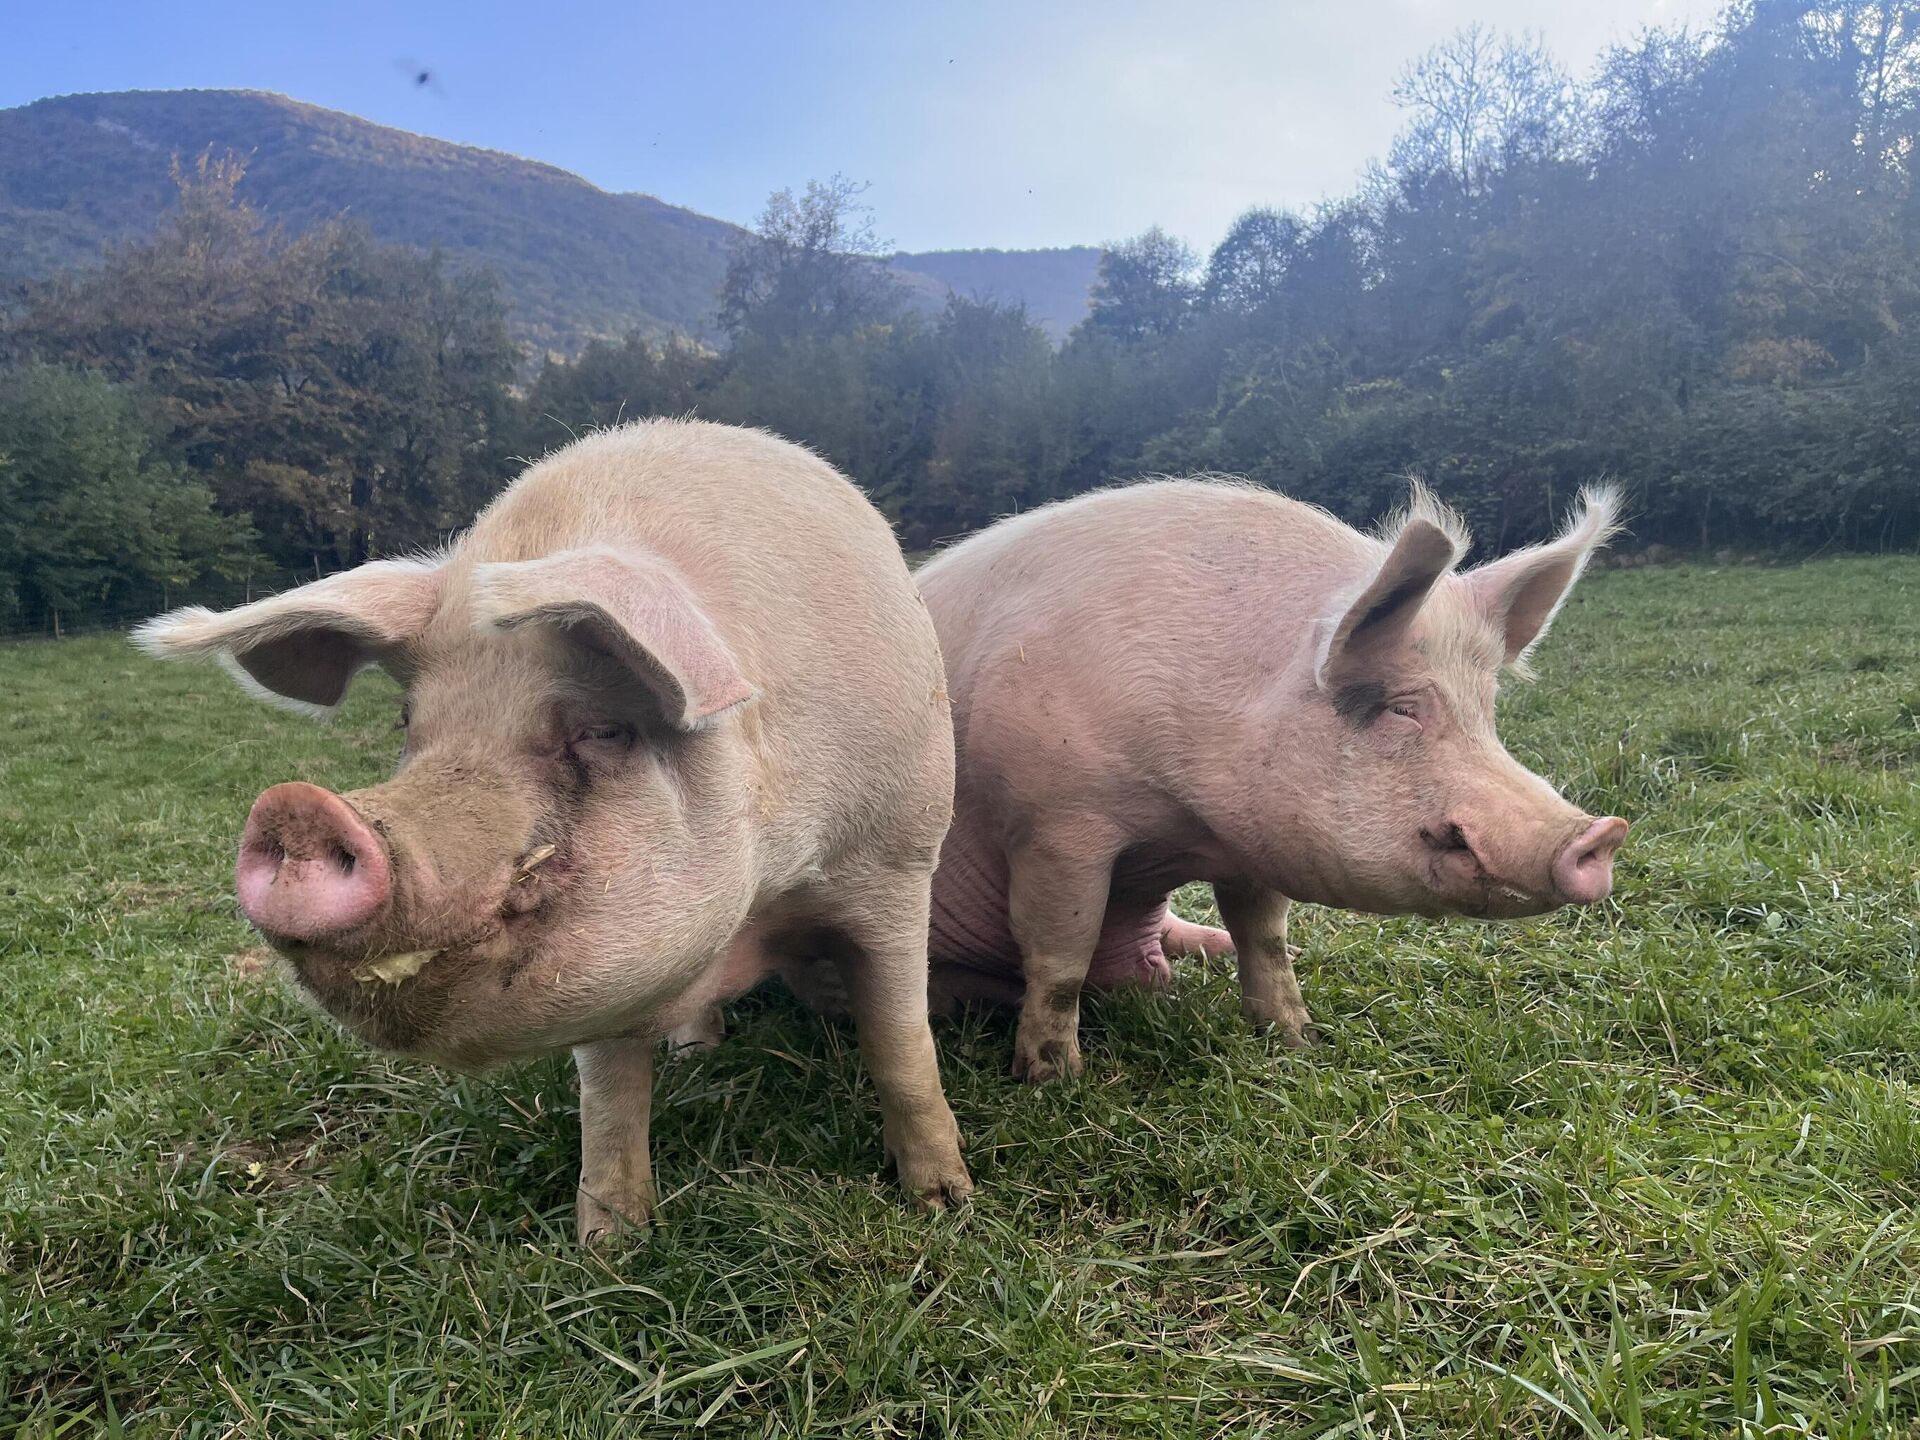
[1484,897]
[399,999]
[1499,902]
[1450,884]
[1459,882]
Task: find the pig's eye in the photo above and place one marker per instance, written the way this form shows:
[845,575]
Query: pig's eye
[604,735]
[406,717]
[1405,709]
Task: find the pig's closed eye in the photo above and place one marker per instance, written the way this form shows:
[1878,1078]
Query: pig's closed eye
[604,735]
[1402,712]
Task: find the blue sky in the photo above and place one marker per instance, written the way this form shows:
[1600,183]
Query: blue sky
[987,123]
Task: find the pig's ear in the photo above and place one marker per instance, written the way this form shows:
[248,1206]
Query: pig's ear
[1522,592]
[1376,620]
[300,648]
[629,604]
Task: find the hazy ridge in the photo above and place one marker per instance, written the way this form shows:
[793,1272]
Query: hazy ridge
[78,172]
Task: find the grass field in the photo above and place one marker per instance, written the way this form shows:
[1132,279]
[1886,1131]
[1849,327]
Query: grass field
[1649,1170]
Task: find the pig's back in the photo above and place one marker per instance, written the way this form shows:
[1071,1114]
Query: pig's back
[1098,618]
[800,574]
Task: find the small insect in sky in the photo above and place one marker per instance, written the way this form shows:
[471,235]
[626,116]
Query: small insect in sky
[422,77]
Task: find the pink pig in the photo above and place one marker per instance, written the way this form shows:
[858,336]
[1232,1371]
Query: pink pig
[1202,680]
[674,721]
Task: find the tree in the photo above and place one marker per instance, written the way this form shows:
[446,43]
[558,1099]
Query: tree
[414,363]
[91,520]
[343,396]
[1482,104]
[1643,95]
[811,269]
[1248,267]
[986,392]
[609,382]
[1145,290]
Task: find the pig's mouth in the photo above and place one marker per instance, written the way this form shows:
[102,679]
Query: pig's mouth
[403,1015]
[391,990]
[1459,874]
[398,1000]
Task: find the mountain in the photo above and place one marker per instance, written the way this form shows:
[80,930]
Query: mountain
[1052,284]
[80,171]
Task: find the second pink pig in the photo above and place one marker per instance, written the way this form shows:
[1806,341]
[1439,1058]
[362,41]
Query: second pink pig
[1196,680]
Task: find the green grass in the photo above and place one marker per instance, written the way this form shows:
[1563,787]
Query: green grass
[1648,1170]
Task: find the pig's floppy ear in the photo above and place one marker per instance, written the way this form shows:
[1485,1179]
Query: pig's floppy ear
[300,648]
[1522,592]
[1377,619]
[629,604]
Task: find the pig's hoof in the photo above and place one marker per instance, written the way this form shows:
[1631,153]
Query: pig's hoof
[1297,1037]
[937,1184]
[1048,1060]
[1290,1027]
[1287,1022]
[605,1217]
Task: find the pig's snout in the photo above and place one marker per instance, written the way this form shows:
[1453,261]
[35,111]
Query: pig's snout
[309,866]
[1583,870]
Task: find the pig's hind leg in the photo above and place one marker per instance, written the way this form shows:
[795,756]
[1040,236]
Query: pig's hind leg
[883,920]
[1183,937]
[1269,990]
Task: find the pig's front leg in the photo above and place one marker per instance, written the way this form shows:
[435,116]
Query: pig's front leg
[616,1097]
[1269,990]
[885,972]
[1056,902]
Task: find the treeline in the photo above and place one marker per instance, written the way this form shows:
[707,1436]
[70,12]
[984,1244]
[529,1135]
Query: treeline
[1696,271]
[229,406]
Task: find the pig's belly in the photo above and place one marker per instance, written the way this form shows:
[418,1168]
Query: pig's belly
[743,965]
[971,945]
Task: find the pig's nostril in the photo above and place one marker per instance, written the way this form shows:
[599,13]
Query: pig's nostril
[1583,871]
[309,866]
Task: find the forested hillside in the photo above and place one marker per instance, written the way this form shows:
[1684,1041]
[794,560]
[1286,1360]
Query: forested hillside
[1696,270]
[573,261]
[84,169]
